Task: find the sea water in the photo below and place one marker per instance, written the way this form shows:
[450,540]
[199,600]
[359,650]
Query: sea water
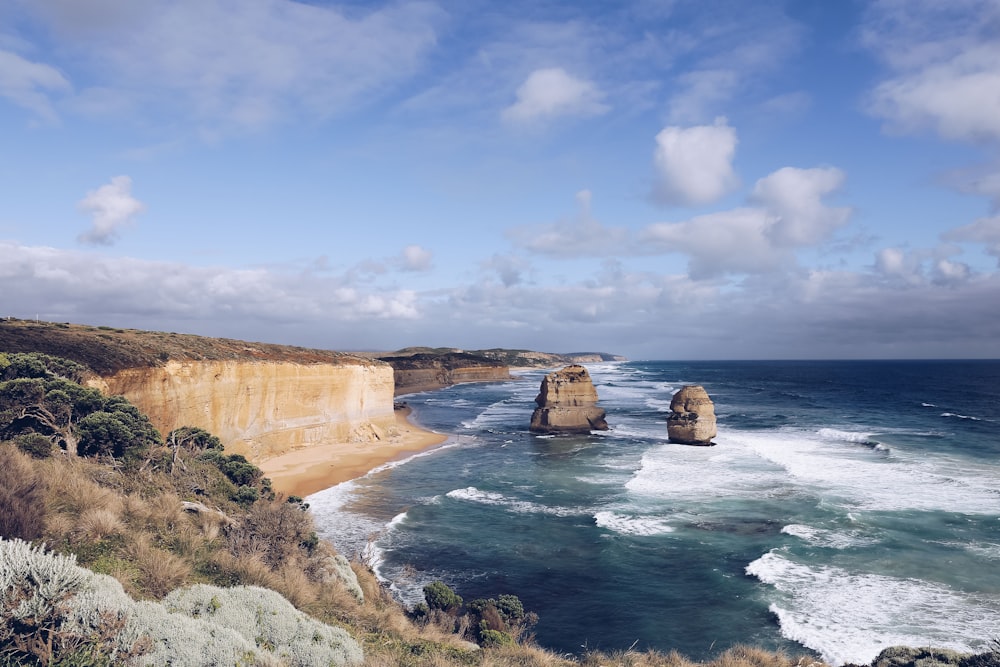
[846,507]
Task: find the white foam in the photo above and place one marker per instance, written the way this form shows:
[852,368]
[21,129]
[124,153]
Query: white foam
[828,538]
[632,525]
[958,416]
[691,474]
[845,436]
[472,494]
[866,479]
[851,617]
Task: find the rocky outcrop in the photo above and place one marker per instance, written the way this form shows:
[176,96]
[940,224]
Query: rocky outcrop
[433,370]
[692,417]
[567,403]
[263,409]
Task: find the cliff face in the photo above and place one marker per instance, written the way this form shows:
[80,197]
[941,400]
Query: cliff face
[262,408]
[425,371]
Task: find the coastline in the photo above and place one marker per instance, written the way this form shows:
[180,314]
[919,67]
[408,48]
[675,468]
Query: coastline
[311,469]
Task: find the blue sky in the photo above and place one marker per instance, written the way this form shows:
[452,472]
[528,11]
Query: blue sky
[663,179]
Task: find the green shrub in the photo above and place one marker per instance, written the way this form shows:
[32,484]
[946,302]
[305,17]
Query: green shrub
[439,596]
[34,444]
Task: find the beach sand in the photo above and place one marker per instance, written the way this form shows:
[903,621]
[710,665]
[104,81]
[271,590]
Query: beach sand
[319,467]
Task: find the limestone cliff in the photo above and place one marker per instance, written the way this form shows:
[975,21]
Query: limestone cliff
[260,399]
[567,403]
[263,409]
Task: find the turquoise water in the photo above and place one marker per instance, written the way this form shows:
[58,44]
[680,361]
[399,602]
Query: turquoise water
[847,506]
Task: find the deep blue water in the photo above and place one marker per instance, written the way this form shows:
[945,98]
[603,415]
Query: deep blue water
[847,506]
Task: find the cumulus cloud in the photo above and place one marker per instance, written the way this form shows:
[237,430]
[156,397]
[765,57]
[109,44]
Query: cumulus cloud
[984,230]
[552,92]
[110,208]
[509,268]
[246,69]
[416,258]
[793,199]
[790,214]
[28,84]
[579,236]
[77,286]
[695,164]
[946,63]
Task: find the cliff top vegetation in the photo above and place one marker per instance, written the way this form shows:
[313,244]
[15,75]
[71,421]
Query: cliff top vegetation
[107,350]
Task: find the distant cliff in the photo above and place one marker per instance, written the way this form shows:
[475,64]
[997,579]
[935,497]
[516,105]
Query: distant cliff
[424,371]
[261,400]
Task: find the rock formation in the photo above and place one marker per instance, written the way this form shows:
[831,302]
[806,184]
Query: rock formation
[692,417]
[567,403]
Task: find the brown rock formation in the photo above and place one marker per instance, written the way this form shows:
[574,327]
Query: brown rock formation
[692,417]
[567,403]
[433,370]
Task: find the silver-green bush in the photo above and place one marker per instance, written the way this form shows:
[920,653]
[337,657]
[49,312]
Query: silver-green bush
[265,617]
[48,594]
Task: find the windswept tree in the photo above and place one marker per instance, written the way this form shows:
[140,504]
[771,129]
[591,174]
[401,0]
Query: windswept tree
[40,395]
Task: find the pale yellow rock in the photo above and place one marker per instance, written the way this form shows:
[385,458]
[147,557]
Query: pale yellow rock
[567,403]
[692,417]
[263,409]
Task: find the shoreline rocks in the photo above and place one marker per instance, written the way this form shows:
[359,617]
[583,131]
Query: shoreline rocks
[692,417]
[567,403]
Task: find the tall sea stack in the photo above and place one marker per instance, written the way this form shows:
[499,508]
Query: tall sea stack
[567,403]
[692,417]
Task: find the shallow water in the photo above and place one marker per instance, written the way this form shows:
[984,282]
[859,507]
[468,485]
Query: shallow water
[847,506]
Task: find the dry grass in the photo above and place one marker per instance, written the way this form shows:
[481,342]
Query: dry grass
[72,491]
[97,523]
[22,496]
[158,571]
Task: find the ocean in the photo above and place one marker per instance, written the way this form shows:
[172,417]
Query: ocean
[846,507]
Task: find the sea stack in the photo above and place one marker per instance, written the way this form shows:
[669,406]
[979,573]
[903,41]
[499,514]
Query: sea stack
[567,403]
[692,417]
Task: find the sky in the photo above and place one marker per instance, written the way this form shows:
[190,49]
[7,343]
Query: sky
[662,179]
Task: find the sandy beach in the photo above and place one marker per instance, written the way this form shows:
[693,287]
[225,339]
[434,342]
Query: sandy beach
[319,467]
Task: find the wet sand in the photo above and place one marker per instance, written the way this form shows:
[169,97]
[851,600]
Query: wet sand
[319,467]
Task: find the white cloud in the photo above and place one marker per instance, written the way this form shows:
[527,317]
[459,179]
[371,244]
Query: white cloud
[110,207]
[75,286]
[946,58]
[552,92]
[510,268]
[734,241]
[579,236]
[695,164]
[27,83]
[793,198]
[224,68]
[415,258]
[790,213]
[983,230]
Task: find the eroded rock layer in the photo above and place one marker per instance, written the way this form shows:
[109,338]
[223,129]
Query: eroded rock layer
[262,409]
[692,417]
[567,403]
